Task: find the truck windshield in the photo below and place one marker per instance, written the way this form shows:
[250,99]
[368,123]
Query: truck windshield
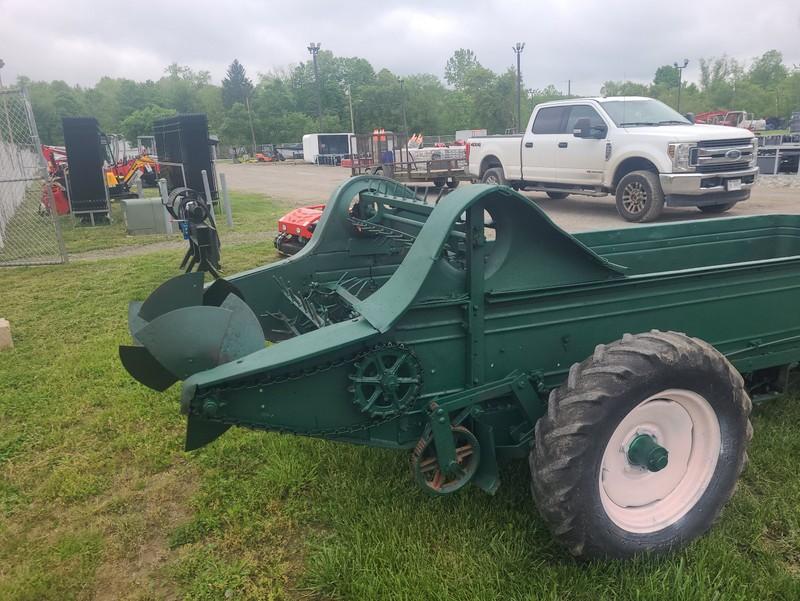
[642,112]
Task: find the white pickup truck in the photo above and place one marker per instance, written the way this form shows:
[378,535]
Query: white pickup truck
[639,149]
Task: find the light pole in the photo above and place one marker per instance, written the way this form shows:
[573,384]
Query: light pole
[349,93]
[518,48]
[250,118]
[680,79]
[313,48]
[403,100]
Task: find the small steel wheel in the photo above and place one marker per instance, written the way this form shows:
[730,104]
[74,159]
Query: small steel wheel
[639,196]
[437,480]
[641,447]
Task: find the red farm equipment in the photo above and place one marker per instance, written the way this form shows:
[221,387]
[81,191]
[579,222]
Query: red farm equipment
[296,228]
[56,157]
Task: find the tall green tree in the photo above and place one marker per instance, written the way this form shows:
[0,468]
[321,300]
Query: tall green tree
[235,128]
[236,87]
[459,66]
[768,70]
[284,107]
[667,76]
[140,122]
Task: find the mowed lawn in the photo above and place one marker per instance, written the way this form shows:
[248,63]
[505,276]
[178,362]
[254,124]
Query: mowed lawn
[99,501]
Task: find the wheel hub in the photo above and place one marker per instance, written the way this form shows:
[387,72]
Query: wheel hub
[659,461]
[645,452]
[389,381]
[634,197]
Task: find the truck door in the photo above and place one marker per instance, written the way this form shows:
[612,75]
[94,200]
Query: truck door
[582,160]
[540,143]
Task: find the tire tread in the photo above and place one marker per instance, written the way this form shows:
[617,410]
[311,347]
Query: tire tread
[572,413]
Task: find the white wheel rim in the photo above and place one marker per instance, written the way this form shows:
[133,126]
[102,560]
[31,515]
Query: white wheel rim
[642,501]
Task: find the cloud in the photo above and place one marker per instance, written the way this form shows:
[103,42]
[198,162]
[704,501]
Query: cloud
[584,41]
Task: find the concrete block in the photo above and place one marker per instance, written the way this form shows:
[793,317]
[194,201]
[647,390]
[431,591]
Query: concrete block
[5,335]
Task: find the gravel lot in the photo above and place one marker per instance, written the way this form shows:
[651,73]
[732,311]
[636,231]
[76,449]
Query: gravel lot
[302,183]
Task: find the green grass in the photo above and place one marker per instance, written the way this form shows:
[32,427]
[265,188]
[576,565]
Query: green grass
[773,132]
[250,214]
[97,499]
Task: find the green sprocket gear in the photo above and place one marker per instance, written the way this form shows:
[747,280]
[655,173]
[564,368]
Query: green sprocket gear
[386,380]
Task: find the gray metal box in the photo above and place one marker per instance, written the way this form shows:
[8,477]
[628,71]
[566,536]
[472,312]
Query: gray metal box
[146,216]
[767,163]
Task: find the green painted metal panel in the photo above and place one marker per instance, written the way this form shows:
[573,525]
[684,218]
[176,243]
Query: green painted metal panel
[477,293]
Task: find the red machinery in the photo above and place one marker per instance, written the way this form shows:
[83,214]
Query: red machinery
[56,157]
[710,117]
[296,228]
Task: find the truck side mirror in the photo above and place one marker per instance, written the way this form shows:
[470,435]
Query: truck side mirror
[690,117]
[582,128]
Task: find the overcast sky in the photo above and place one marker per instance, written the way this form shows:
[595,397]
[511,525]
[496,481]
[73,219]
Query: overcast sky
[587,41]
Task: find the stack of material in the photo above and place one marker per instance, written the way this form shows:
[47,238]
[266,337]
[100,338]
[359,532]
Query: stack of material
[5,335]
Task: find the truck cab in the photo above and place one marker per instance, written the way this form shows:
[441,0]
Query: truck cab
[639,149]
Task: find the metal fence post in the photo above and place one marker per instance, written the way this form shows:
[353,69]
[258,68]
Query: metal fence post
[162,188]
[226,201]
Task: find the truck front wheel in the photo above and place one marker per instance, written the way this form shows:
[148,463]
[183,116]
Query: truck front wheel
[641,447]
[494,176]
[639,196]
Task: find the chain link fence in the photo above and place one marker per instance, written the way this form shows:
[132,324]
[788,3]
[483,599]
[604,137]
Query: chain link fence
[29,229]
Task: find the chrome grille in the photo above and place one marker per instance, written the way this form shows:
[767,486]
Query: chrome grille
[720,167]
[715,156]
[718,143]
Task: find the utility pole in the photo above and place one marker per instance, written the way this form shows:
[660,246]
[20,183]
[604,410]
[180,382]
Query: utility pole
[250,118]
[313,48]
[352,120]
[680,79]
[518,48]
[569,87]
[403,98]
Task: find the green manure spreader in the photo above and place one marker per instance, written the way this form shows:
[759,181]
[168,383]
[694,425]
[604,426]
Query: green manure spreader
[621,363]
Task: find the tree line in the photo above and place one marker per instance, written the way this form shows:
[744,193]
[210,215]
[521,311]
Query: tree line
[281,106]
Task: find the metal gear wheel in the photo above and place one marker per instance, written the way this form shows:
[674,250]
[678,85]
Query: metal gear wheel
[386,380]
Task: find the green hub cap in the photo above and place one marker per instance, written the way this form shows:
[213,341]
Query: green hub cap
[645,452]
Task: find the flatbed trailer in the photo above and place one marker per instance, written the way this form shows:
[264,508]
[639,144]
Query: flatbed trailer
[387,154]
[620,363]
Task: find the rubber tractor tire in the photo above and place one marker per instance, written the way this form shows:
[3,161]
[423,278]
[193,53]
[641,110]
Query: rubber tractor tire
[641,447]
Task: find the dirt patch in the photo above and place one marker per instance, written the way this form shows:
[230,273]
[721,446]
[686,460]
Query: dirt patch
[299,183]
[153,507]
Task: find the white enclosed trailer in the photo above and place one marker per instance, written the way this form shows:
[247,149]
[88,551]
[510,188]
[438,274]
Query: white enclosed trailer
[326,149]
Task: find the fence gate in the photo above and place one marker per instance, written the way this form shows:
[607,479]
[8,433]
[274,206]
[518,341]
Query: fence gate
[29,229]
